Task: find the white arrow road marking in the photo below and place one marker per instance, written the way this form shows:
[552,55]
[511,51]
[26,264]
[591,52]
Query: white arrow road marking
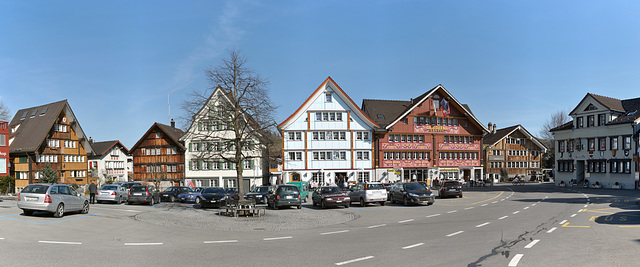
[354,260]
[515,260]
[552,229]
[533,243]
[60,242]
[413,246]
[277,238]
[336,232]
[452,234]
[221,241]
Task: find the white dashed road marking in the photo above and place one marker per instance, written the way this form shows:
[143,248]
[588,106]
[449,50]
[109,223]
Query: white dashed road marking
[405,221]
[552,229]
[433,215]
[452,211]
[221,241]
[533,243]
[413,246]
[526,208]
[516,212]
[60,242]
[376,226]
[142,244]
[468,208]
[574,215]
[562,222]
[452,234]
[494,202]
[484,205]
[515,260]
[277,238]
[480,225]
[502,217]
[336,232]
[354,260]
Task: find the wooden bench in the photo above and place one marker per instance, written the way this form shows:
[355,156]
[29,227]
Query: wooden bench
[243,207]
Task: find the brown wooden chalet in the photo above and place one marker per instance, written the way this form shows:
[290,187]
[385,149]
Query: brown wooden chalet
[159,155]
[513,149]
[431,136]
[48,134]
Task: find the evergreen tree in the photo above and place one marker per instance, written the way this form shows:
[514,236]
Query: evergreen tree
[49,175]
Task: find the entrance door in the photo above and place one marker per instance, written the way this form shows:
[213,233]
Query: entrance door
[580,171]
[295,177]
[467,175]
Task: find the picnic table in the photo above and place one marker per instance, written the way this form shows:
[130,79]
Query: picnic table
[243,207]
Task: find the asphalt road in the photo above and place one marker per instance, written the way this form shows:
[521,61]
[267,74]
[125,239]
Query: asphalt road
[525,225]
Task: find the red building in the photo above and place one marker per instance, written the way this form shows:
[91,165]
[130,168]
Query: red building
[431,136]
[4,148]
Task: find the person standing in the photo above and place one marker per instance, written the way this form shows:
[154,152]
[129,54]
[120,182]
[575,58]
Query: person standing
[93,189]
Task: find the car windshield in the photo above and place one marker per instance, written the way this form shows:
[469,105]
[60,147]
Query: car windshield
[214,190]
[171,189]
[231,190]
[36,189]
[331,190]
[374,186]
[451,184]
[261,189]
[138,189]
[289,189]
[109,187]
[414,187]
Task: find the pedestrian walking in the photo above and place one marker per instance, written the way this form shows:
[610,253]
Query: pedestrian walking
[93,189]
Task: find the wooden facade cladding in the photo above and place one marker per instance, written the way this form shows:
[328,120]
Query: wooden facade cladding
[157,156]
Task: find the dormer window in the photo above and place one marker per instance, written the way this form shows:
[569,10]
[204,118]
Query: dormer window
[580,122]
[602,119]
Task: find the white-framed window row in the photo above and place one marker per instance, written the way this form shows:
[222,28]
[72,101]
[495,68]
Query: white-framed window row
[517,164]
[74,174]
[294,155]
[362,136]
[318,178]
[416,155]
[535,164]
[458,155]
[518,153]
[496,152]
[363,177]
[329,155]
[72,158]
[323,136]
[47,158]
[151,151]
[362,155]
[328,116]
[60,128]
[294,136]
[516,141]
[409,138]
[53,143]
[458,139]
[70,144]
[496,164]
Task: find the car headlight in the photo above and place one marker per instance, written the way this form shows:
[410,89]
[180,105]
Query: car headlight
[329,198]
[431,194]
[413,195]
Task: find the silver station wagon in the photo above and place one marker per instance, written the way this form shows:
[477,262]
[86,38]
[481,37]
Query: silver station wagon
[54,198]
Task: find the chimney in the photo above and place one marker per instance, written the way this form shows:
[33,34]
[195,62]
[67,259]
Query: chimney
[173,123]
[90,140]
[495,127]
[490,127]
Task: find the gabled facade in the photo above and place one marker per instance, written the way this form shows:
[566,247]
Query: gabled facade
[208,144]
[159,156]
[48,134]
[110,162]
[431,136]
[600,144]
[328,140]
[514,149]
[4,148]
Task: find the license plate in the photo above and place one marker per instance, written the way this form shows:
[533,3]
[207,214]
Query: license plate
[138,194]
[339,201]
[289,197]
[452,190]
[30,198]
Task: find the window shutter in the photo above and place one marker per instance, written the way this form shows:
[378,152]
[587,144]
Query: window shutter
[251,164]
[220,165]
[190,149]
[201,164]
[191,165]
[199,126]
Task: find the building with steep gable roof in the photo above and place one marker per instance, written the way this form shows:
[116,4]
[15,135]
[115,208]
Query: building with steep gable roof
[431,136]
[514,149]
[328,139]
[111,161]
[599,147]
[158,157]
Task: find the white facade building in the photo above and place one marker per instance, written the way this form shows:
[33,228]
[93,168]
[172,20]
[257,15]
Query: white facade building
[600,146]
[111,161]
[207,144]
[327,140]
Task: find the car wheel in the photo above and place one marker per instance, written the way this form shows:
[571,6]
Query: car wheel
[172,199]
[99,201]
[264,200]
[362,204]
[120,200]
[275,206]
[460,195]
[305,199]
[129,203]
[152,202]
[405,201]
[85,208]
[382,203]
[299,206]
[59,211]
[346,206]
[28,212]
[198,200]
[323,204]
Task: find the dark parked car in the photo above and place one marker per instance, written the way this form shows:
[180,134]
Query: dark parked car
[259,194]
[285,196]
[213,197]
[194,196]
[411,193]
[144,194]
[171,193]
[127,185]
[327,196]
[53,198]
[450,188]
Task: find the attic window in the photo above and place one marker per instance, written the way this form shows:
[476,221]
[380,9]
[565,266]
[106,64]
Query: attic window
[328,97]
[590,107]
[44,110]
[24,115]
[34,112]
[631,113]
[380,116]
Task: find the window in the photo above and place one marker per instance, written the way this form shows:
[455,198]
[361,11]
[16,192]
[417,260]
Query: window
[295,155]
[328,116]
[327,97]
[602,143]
[580,122]
[590,121]
[318,178]
[592,144]
[601,119]
[158,135]
[614,143]
[248,164]
[2,140]
[627,142]
[363,177]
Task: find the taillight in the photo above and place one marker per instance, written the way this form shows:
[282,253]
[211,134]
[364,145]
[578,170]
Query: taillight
[146,190]
[47,199]
[18,196]
[113,193]
[278,197]
[298,196]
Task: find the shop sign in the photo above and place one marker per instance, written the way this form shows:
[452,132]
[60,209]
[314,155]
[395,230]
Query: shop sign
[459,162]
[442,146]
[406,163]
[437,129]
[404,146]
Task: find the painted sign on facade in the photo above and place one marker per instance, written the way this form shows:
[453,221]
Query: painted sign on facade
[449,146]
[406,146]
[459,162]
[437,129]
[406,163]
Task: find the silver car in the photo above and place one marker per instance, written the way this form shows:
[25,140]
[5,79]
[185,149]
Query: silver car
[112,192]
[368,193]
[54,198]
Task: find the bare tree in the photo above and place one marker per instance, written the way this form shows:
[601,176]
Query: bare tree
[4,112]
[232,131]
[557,119]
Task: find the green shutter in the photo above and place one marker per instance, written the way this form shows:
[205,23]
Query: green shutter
[251,164]
[190,147]
[191,165]
[220,165]
[199,126]
[200,162]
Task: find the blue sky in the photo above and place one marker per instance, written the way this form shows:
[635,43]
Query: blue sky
[512,62]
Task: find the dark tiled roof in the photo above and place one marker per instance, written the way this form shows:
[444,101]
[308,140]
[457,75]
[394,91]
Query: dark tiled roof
[173,133]
[610,103]
[103,147]
[566,126]
[631,109]
[384,112]
[492,138]
[32,131]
